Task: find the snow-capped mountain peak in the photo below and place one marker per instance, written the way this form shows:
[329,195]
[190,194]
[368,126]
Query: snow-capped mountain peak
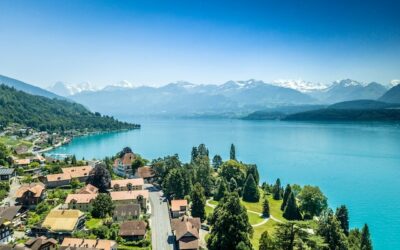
[394,82]
[66,89]
[300,85]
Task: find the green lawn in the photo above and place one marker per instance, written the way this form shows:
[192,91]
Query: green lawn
[274,206]
[7,140]
[209,210]
[269,226]
[123,247]
[254,218]
[213,202]
[93,223]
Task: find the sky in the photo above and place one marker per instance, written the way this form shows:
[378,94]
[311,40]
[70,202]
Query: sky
[157,42]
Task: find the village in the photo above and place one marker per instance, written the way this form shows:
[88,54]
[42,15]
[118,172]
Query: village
[74,204]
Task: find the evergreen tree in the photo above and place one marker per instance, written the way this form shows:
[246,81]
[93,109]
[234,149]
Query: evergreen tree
[175,184]
[354,239]
[329,228]
[291,211]
[342,214]
[217,161]
[202,150]
[73,160]
[292,235]
[229,225]
[222,189]
[102,206]
[194,154]
[266,242]
[366,243]
[286,194]
[265,211]
[232,153]
[233,185]
[250,190]
[198,200]
[252,169]
[276,190]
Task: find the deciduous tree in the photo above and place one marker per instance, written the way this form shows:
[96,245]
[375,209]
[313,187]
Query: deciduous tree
[102,206]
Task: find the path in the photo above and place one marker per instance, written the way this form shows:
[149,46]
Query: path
[161,232]
[250,211]
[14,186]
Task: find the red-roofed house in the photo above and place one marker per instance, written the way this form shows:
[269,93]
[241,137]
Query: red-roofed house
[178,208]
[186,231]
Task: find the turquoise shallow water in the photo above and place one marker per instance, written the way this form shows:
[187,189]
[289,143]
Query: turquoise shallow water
[354,164]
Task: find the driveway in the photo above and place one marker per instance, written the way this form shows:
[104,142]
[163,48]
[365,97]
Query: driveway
[161,233]
[14,186]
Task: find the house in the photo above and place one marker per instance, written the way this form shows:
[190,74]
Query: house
[123,166]
[22,162]
[186,231]
[88,189]
[82,202]
[21,149]
[80,173]
[57,180]
[29,195]
[6,173]
[124,212]
[131,197]
[133,230]
[41,243]
[12,214]
[127,184]
[178,208]
[147,173]
[65,222]
[6,231]
[76,243]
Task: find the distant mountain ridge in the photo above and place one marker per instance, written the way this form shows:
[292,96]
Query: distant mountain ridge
[183,98]
[27,88]
[392,95]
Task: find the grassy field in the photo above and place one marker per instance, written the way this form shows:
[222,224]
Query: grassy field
[254,218]
[7,140]
[269,226]
[93,223]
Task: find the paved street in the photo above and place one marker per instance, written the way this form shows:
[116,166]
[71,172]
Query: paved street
[162,238]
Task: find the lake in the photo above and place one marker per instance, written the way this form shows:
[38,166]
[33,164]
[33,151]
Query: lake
[354,164]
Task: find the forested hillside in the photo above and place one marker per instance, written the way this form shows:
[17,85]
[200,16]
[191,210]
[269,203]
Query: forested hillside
[51,114]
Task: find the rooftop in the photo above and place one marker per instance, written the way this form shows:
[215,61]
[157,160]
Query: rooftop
[88,243]
[125,182]
[62,220]
[177,204]
[133,228]
[129,195]
[80,198]
[35,188]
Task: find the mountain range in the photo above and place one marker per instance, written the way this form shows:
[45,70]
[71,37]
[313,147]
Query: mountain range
[231,99]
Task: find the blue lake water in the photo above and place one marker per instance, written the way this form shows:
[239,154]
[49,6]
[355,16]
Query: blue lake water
[354,164]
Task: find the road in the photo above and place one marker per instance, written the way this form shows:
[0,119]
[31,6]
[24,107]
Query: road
[14,186]
[161,233]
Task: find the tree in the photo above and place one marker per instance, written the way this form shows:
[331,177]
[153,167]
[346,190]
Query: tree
[312,201]
[265,211]
[73,160]
[102,206]
[232,154]
[4,155]
[291,211]
[198,202]
[229,225]
[233,185]
[292,235]
[354,239]
[266,242]
[203,173]
[233,169]
[194,154]
[342,214]
[174,184]
[221,190]
[286,194]
[250,190]
[252,169]
[100,177]
[276,190]
[217,161]
[329,228]
[202,150]
[366,243]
